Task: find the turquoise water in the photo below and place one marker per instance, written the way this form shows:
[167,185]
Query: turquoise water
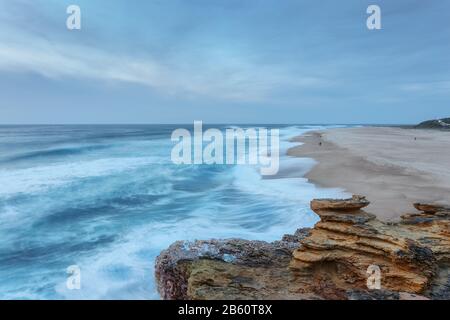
[108,199]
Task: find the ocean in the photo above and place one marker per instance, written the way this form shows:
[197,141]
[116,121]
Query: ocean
[108,199]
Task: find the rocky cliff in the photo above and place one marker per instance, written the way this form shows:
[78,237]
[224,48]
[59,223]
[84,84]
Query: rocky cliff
[337,259]
[435,124]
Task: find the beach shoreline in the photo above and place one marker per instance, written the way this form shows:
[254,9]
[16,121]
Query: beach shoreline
[393,167]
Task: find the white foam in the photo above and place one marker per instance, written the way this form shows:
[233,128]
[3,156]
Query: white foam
[41,178]
[124,269]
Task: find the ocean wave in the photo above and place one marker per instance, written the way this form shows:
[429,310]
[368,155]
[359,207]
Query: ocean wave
[59,152]
[41,178]
[112,212]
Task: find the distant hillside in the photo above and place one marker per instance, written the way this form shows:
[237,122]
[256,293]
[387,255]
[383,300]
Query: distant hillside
[435,124]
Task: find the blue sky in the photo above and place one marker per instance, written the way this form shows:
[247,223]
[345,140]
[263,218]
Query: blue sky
[227,61]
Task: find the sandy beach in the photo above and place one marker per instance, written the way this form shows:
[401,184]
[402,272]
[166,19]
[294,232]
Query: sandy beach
[393,167]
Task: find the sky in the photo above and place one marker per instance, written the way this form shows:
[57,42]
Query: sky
[224,61]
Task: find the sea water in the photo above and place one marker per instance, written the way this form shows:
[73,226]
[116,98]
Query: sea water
[108,199]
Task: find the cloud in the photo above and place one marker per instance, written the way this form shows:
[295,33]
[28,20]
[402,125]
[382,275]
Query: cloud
[222,76]
[432,87]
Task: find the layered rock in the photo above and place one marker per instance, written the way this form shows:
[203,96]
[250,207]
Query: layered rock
[330,261]
[343,245]
[228,269]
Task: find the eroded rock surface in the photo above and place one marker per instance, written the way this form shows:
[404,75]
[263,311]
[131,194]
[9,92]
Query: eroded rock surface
[227,269]
[347,205]
[329,261]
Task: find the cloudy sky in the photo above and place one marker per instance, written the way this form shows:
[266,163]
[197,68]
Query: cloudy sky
[224,61]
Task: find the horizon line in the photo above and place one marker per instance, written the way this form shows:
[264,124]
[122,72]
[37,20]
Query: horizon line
[208,123]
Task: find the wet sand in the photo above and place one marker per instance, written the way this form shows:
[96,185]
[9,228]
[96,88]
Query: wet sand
[393,167]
